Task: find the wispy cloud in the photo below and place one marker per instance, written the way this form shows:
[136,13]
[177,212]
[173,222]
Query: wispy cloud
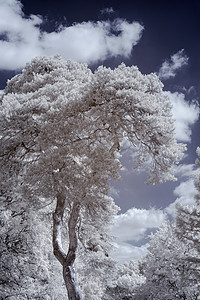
[185,115]
[185,170]
[107,10]
[88,42]
[170,67]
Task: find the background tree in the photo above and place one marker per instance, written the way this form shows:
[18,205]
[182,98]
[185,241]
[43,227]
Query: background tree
[125,281]
[188,225]
[172,265]
[168,271]
[27,267]
[61,127]
[188,217]
[95,272]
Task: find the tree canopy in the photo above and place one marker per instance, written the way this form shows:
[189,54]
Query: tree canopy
[62,128]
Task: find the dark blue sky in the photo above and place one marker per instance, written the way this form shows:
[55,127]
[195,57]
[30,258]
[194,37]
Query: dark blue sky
[169,27]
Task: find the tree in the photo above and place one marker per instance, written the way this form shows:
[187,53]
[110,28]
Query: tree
[197,178]
[188,217]
[168,271]
[172,265]
[61,128]
[27,266]
[95,272]
[188,225]
[125,282]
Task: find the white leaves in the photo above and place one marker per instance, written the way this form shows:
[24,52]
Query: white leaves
[170,266]
[79,114]
[63,127]
[73,121]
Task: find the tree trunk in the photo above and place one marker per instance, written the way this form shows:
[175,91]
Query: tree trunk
[68,269]
[67,260]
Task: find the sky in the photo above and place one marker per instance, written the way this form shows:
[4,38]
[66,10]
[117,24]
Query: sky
[158,36]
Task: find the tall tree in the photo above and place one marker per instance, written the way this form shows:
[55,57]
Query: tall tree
[61,127]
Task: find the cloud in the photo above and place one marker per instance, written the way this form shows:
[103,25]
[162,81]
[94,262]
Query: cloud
[88,42]
[132,225]
[170,67]
[186,190]
[91,42]
[124,252]
[185,170]
[21,35]
[185,115]
[108,10]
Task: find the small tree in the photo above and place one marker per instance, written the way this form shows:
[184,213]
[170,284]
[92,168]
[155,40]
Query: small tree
[27,268]
[95,272]
[172,266]
[126,280]
[188,217]
[61,127]
[168,271]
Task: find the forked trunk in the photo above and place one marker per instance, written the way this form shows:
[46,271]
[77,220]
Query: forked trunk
[67,260]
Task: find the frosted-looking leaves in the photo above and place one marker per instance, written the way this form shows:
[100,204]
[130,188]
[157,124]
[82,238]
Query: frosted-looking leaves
[171,267]
[59,110]
[61,129]
[137,108]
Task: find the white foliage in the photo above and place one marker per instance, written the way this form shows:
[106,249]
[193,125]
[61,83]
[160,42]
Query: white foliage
[61,127]
[171,267]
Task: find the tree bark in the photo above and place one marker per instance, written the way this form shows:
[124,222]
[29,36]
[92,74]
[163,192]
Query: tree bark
[68,269]
[67,260]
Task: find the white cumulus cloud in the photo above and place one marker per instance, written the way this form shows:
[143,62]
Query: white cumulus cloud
[124,252]
[170,67]
[21,36]
[90,42]
[185,170]
[186,190]
[132,226]
[185,115]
